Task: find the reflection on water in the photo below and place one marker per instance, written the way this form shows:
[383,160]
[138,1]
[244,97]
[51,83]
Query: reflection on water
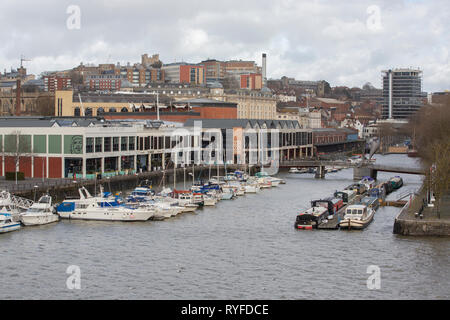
[242,249]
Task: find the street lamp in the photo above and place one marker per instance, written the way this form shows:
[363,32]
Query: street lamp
[35,189]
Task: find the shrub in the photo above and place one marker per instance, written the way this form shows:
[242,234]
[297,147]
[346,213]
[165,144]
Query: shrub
[12,176]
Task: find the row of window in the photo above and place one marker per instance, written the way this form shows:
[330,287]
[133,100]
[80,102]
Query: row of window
[115,144]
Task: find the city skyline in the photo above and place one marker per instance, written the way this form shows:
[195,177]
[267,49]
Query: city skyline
[346,44]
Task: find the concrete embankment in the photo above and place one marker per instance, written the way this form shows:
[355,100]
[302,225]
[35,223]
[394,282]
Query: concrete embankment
[430,224]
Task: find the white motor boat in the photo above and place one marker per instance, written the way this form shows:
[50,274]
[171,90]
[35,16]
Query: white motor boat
[7,224]
[252,188]
[357,216]
[41,212]
[11,205]
[209,201]
[88,207]
[228,194]
[294,170]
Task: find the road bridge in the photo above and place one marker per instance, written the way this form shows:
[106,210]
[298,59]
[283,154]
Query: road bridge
[360,170]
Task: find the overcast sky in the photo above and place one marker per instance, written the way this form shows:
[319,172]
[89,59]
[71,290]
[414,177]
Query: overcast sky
[343,42]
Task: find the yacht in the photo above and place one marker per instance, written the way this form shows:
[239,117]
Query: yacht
[11,205]
[209,200]
[227,194]
[7,224]
[140,194]
[357,216]
[186,199]
[41,212]
[267,178]
[107,207]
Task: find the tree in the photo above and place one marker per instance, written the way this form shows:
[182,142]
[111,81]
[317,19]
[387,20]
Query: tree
[17,146]
[430,130]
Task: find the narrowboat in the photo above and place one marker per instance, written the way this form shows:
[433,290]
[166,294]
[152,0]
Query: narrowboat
[359,188]
[311,218]
[396,182]
[331,204]
[346,195]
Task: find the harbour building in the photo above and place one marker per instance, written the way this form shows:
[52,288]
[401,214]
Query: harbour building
[84,147]
[402,93]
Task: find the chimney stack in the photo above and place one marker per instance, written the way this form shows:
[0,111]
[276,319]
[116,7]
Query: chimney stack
[18,89]
[264,68]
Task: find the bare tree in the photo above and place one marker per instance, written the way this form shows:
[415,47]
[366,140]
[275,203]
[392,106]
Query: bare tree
[431,129]
[17,147]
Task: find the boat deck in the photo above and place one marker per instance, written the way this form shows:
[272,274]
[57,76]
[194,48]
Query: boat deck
[333,224]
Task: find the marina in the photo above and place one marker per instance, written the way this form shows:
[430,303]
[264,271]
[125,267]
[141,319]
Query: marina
[240,248]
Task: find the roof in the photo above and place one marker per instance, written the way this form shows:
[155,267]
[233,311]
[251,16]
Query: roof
[46,122]
[204,101]
[243,123]
[329,100]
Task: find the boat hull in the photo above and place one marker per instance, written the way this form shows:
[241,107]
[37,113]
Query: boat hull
[109,214]
[34,220]
[9,227]
[355,224]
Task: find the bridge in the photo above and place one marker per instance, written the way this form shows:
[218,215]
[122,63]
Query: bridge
[360,170]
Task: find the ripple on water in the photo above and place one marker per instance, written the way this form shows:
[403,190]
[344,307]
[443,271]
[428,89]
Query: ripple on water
[242,249]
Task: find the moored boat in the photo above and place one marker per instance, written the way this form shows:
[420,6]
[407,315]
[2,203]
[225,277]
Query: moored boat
[7,224]
[41,212]
[311,218]
[357,216]
[396,182]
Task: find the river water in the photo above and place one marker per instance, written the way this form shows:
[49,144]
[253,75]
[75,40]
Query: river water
[242,249]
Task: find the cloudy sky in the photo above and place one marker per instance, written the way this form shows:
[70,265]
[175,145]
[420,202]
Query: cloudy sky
[343,42]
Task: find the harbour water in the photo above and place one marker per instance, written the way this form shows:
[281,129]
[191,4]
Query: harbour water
[245,248]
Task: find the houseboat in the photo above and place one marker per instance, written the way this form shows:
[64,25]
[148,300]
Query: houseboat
[311,218]
[332,204]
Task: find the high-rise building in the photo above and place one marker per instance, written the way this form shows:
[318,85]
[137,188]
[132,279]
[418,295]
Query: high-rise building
[402,93]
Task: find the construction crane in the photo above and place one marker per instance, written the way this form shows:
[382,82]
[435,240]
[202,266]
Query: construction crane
[22,59]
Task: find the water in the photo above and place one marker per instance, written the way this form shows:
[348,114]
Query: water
[242,249]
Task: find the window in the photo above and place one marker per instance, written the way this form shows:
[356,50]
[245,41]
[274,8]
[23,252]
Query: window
[77,112]
[123,144]
[89,145]
[88,112]
[98,144]
[115,143]
[100,111]
[107,144]
[131,143]
[124,109]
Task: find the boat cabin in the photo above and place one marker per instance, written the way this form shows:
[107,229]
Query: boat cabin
[311,217]
[356,211]
[331,204]
[359,188]
[346,195]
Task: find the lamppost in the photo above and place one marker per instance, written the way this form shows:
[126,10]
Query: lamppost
[35,189]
